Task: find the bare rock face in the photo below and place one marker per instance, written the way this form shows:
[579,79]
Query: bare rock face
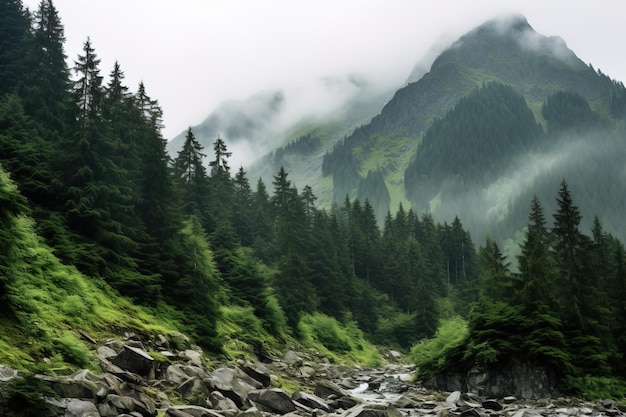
[522,380]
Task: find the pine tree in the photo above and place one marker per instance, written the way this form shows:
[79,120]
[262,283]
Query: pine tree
[582,317]
[46,88]
[98,199]
[495,282]
[294,291]
[191,174]
[242,216]
[538,271]
[15,34]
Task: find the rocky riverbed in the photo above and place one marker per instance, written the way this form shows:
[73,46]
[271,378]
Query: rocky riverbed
[135,383]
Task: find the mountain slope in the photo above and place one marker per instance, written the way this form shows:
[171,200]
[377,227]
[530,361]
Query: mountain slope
[507,51]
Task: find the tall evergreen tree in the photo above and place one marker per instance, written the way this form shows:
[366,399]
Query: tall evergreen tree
[294,290]
[46,90]
[15,33]
[98,199]
[191,174]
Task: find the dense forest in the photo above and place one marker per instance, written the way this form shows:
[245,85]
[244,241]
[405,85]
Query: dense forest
[88,163]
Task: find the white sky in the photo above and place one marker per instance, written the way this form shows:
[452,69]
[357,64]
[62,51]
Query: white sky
[194,54]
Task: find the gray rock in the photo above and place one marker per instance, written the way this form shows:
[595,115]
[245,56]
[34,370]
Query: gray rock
[176,374]
[325,389]
[454,398]
[226,381]
[7,373]
[191,411]
[259,372]
[219,402]
[194,357]
[492,405]
[134,360]
[73,407]
[66,387]
[371,410]
[193,387]
[310,400]
[273,399]
[292,358]
[470,412]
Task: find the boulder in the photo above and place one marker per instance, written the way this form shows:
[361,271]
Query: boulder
[372,410]
[219,402]
[193,387]
[259,372]
[194,357]
[225,380]
[325,389]
[191,411]
[7,373]
[66,387]
[176,374]
[492,405]
[134,360]
[454,398]
[292,358]
[72,407]
[311,401]
[274,400]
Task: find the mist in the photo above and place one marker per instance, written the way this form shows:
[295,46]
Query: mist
[592,164]
[257,125]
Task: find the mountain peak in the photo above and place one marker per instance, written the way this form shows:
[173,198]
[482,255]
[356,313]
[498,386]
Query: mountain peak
[508,38]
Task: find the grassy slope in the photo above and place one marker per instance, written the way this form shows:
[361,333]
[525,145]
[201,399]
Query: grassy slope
[52,312]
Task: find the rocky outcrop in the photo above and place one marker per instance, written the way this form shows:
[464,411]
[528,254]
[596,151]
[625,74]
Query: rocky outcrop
[520,379]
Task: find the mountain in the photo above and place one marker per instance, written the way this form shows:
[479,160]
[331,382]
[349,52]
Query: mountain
[505,51]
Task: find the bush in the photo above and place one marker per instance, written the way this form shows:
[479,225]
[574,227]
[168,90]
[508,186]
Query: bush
[596,388]
[430,355]
[325,331]
[72,350]
[26,397]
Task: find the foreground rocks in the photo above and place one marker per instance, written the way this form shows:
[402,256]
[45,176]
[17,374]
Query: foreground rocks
[180,384]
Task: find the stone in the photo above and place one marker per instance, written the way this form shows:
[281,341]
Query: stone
[509,399]
[292,358]
[471,412]
[74,407]
[326,388]
[454,398]
[310,400]
[194,357]
[191,411]
[134,360]
[7,373]
[492,405]
[371,410]
[218,401]
[273,399]
[306,371]
[176,374]
[258,371]
[225,380]
[192,387]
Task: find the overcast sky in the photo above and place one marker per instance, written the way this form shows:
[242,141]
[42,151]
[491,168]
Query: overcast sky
[194,54]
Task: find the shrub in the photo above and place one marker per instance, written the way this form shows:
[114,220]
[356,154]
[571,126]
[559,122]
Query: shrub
[26,397]
[430,354]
